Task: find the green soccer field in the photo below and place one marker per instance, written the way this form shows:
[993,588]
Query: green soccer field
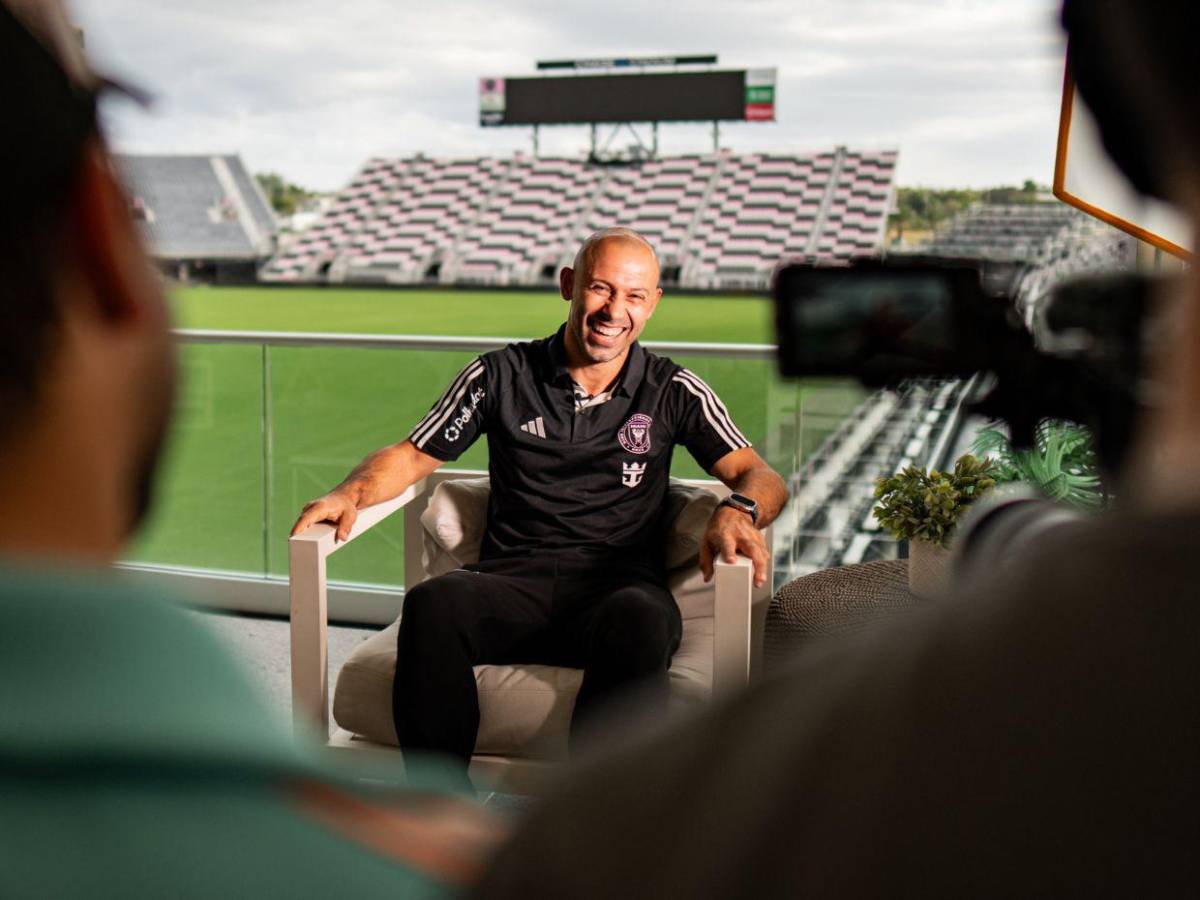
[258,432]
[524,314]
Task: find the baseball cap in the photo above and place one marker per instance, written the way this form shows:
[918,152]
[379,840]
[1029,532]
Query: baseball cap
[48,100]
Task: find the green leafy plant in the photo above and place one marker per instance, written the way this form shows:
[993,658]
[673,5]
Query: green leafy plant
[916,505]
[285,198]
[1061,463]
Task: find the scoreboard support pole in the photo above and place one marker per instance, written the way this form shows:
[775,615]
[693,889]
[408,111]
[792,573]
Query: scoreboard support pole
[535,142]
[716,137]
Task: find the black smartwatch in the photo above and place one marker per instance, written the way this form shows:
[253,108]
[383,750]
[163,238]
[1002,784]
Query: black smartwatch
[744,503]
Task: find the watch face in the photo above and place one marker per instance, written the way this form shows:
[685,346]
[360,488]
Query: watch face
[743,500]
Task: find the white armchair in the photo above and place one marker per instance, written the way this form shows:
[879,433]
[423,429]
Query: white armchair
[524,710]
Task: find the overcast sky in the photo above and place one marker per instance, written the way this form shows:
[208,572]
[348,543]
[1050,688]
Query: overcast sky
[967,90]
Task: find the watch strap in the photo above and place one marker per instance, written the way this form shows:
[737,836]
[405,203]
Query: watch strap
[750,509]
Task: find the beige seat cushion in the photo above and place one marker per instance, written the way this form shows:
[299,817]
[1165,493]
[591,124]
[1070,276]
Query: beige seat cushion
[525,711]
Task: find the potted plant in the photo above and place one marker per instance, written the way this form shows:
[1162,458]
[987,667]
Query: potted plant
[1061,463]
[923,507]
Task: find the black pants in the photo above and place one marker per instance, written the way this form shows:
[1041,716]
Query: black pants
[620,625]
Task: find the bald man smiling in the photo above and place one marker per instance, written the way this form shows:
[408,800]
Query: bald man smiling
[581,427]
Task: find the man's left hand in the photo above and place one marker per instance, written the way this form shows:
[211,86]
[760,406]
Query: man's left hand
[729,533]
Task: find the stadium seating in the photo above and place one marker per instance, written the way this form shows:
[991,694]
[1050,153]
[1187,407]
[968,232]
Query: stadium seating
[720,221]
[1001,232]
[1085,246]
[1031,248]
[199,207]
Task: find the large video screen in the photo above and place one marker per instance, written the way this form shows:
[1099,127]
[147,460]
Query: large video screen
[741,95]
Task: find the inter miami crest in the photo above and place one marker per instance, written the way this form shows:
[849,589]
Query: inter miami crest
[635,434]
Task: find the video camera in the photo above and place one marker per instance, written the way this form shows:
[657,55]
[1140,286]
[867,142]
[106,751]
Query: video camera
[886,321]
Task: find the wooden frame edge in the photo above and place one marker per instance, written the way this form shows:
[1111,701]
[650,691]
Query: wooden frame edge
[1060,177]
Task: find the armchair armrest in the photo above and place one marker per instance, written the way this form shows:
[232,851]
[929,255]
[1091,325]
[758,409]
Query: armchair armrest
[740,614]
[307,553]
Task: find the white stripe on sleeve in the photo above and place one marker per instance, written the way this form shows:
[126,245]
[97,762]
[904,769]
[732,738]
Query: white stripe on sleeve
[440,405]
[726,434]
[441,412]
[718,407]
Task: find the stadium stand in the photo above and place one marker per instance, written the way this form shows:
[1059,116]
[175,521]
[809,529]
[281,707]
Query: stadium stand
[833,492]
[1085,246]
[1026,249]
[1001,232]
[1023,249]
[717,221]
[204,217]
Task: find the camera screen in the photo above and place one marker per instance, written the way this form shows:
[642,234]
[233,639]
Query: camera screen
[876,324]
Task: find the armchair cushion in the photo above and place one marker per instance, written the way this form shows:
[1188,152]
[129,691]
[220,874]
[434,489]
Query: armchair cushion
[525,711]
[452,525]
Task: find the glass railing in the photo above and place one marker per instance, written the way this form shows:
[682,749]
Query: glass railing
[267,421]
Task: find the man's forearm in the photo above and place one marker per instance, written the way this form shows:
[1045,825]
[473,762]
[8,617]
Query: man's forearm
[386,473]
[764,486]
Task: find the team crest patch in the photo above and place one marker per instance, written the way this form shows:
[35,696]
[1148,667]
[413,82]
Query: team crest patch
[635,434]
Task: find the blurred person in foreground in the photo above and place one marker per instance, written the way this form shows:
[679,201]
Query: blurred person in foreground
[1038,736]
[580,427]
[135,760]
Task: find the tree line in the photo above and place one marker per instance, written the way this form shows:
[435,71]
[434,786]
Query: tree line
[922,209]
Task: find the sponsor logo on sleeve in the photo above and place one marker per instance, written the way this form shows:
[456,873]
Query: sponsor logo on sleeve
[465,413]
[634,435]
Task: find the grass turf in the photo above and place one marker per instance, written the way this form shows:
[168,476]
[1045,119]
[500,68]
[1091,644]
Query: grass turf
[523,314]
[258,432]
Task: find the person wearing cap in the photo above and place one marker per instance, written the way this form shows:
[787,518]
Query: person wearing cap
[581,427]
[135,759]
[1037,736]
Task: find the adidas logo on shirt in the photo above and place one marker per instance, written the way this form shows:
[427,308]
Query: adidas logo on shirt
[535,427]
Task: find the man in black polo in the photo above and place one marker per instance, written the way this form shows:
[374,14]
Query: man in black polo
[580,428]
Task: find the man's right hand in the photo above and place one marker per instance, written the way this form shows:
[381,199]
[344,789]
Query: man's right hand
[338,507]
[384,474]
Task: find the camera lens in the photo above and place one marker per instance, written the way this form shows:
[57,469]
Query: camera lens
[1003,527]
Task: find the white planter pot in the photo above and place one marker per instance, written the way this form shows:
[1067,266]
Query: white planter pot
[928,568]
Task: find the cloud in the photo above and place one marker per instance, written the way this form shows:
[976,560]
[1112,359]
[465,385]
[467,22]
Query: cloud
[968,90]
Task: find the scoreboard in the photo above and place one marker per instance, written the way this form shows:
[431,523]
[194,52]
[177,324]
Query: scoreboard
[742,95]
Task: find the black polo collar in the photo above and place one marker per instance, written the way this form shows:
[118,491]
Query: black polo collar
[627,379]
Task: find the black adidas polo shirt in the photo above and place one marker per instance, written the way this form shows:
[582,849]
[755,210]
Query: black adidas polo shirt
[593,481]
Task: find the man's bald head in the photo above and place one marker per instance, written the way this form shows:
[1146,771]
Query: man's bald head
[589,249]
[613,290]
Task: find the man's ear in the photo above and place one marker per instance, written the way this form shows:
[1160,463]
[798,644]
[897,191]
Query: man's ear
[566,283]
[105,244]
[654,305]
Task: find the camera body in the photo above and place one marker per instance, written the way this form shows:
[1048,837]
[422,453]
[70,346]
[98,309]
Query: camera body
[884,321]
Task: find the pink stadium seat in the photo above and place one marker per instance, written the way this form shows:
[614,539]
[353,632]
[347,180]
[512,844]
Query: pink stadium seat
[495,220]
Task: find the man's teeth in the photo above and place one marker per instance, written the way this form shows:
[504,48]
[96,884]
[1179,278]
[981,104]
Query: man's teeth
[607,330]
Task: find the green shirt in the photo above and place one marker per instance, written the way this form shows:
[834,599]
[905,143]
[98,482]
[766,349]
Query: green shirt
[137,761]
